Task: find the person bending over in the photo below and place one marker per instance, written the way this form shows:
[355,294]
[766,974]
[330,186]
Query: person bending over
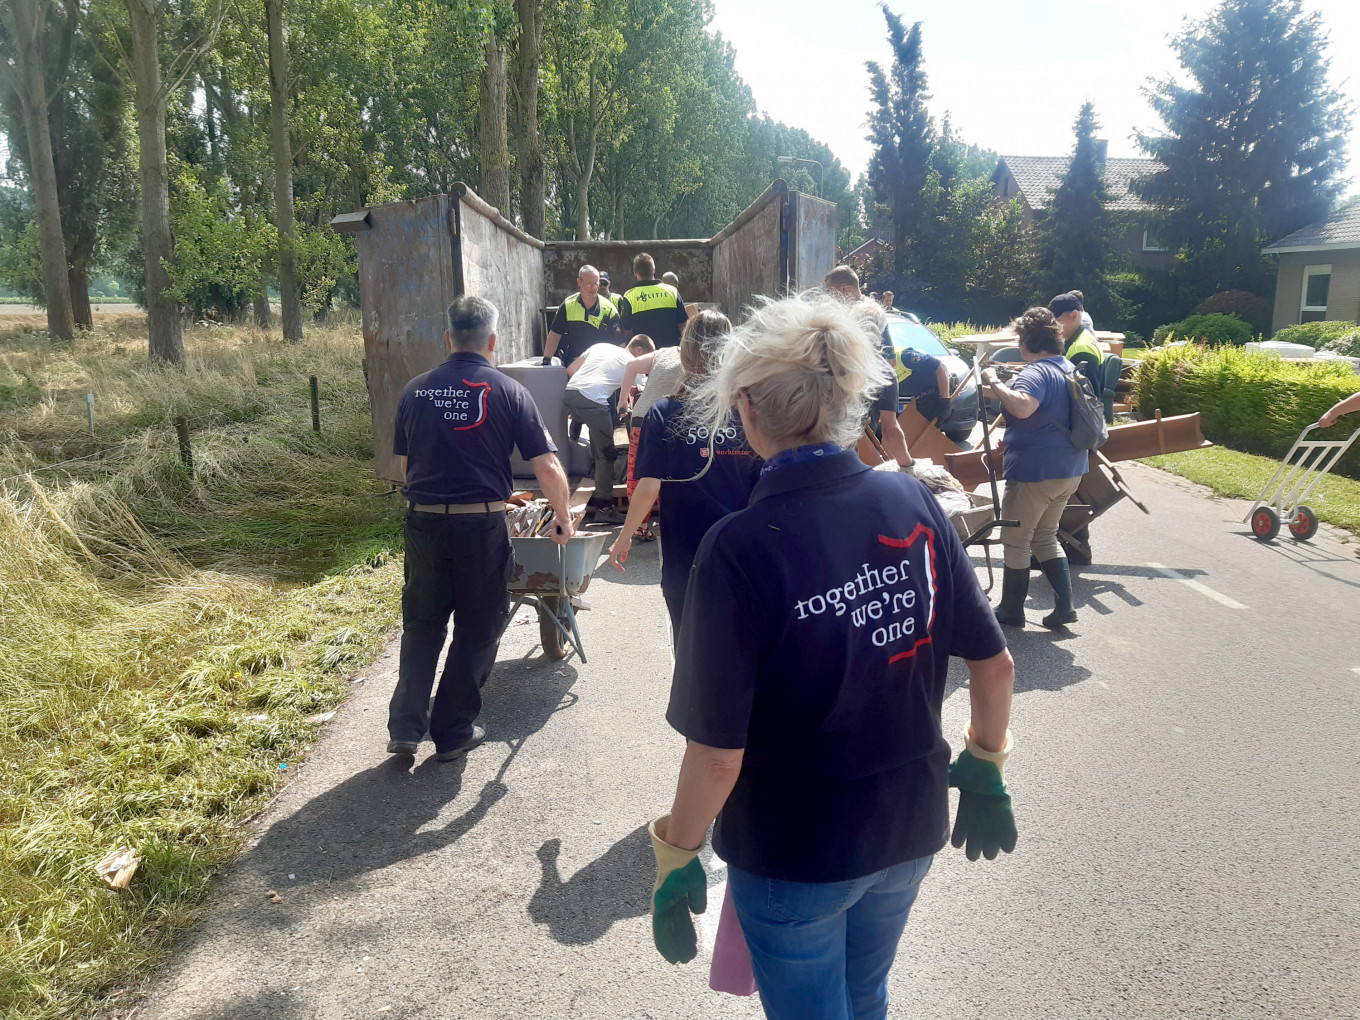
[594,378]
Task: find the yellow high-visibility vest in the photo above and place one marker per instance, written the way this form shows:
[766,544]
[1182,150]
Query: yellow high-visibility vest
[651,296]
[576,311]
[1084,343]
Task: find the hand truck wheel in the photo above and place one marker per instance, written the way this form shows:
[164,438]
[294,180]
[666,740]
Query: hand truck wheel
[1304,525]
[1265,523]
[549,634]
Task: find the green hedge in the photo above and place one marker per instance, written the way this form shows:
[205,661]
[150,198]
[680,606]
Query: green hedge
[1314,334]
[1347,344]
[1248,401]
[1215,329]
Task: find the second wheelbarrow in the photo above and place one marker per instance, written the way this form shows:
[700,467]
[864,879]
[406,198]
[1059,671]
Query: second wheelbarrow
[552,578]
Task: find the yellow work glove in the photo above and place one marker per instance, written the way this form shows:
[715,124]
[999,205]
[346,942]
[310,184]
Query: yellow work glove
[681,887]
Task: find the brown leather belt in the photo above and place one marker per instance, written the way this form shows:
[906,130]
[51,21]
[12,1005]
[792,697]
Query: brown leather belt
[458,508]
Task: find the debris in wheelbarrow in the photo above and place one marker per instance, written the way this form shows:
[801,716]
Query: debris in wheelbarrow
[552,578]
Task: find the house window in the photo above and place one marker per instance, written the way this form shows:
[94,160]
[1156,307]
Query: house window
[1150,244]
[1317,282]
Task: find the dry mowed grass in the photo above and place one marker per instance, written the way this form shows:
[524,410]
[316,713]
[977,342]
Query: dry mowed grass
[168,637]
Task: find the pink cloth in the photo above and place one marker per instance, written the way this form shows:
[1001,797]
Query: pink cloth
[731,967]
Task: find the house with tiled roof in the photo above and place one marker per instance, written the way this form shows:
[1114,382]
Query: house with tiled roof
[1033,180]
[1319,271]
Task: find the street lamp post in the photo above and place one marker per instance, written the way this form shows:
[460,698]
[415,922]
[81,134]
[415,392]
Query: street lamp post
[812,162]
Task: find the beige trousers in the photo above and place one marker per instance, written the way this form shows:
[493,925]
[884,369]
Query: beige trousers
[1038,506]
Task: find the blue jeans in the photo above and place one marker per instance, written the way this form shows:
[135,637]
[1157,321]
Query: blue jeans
[822,950]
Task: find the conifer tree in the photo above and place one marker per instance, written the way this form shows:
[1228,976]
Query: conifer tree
[1074,236]
[1253,144]
[903,138]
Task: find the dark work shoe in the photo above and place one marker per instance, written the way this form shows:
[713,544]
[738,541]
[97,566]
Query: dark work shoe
[607,515]
[478,735]
[402,747]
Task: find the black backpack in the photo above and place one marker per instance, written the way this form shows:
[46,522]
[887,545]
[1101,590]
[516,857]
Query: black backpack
[1088,431]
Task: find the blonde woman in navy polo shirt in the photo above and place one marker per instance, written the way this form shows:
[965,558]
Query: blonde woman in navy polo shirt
[809,679]
[674,451]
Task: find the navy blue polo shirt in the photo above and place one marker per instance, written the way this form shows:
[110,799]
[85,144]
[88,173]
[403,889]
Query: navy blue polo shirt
[817,632]
[1036,448]
[887,396]
[671,449]
[916,372]
[457,426]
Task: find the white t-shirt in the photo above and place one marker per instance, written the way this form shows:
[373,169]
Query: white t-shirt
[601,372]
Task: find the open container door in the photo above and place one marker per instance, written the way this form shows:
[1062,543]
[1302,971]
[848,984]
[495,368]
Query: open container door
[407,279]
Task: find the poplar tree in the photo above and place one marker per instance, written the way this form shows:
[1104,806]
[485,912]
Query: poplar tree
[903,138]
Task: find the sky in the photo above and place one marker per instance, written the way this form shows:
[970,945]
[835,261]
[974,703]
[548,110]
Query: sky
[1011,75]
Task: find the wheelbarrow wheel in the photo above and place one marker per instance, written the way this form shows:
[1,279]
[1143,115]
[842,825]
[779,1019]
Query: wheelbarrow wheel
[549,634]
[1304,525]
[1265,524]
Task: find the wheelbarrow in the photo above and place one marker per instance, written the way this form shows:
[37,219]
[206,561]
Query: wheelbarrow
[1099,489]
[552,578]
[1282,500]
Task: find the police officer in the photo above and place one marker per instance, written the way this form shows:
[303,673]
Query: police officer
[652,307]
[1082,348]
[584,319]
[455,429]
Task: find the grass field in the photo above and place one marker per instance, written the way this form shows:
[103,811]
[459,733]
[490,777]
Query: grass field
[1242,476]
[169,638]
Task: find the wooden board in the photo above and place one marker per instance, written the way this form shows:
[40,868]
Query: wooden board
[1127,442]
[923,438]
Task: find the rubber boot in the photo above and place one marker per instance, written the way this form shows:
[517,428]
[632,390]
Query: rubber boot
[1014,589]
[1061,579]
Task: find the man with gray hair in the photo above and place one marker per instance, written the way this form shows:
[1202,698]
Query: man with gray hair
[582,320]
[455,431]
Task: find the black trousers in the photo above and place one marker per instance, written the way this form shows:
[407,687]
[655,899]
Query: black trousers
[456,566]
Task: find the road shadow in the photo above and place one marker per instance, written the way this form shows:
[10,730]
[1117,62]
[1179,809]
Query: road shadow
[1094,587]
[384,815]
[1042,663]
[611,888]
[1314,558]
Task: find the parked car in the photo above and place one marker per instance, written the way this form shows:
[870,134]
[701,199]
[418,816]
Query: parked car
[905,330]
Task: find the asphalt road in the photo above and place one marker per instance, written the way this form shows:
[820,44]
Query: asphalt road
[1184,777]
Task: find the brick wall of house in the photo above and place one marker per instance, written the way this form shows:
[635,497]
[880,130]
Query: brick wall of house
[1343,301]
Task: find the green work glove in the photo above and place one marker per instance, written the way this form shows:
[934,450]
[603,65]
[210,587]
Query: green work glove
[681,887]
[985,822]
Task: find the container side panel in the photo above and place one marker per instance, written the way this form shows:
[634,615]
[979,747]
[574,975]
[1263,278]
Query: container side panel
[508,272]
[405,284]
[813,248]
[748,262]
